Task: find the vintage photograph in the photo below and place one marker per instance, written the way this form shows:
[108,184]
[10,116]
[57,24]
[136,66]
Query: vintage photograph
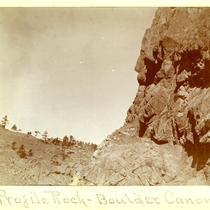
[106,96]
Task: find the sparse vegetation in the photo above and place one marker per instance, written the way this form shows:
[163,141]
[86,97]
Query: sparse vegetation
[30,153]
[56,141]
[71,138]
[45,135]
[14,128]
[21,152]
[40,158]
[14,143]
[64,155]
[71,141]
[4,121]
[36,133]
[65,141]
[94,147]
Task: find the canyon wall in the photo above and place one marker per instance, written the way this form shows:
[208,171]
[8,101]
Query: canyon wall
[166,135]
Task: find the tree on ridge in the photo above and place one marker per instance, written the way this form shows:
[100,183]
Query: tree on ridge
[4,121]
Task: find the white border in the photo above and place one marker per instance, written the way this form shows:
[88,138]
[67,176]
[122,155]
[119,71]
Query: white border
[112,192]
[103,3]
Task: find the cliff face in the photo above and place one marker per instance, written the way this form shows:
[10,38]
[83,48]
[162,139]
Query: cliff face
[166,137]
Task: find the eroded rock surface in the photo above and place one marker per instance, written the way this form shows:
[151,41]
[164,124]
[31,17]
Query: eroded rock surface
[165,139]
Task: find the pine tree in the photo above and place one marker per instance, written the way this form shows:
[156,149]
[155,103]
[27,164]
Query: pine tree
[65,141]
[4,121]
[36,133]
[14,128]
[45,135]
[21,151]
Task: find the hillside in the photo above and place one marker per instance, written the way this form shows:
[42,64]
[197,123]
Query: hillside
[166,137]
[50,164]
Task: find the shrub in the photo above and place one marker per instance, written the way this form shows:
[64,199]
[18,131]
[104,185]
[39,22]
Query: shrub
[65,141]
[14,128]
[14,145]
[63,154]
[30,153]
[56,141]
[21,152]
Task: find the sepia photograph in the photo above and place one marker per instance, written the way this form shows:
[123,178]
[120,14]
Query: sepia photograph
[105,96]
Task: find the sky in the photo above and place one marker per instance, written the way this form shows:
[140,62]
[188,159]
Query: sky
[70,71]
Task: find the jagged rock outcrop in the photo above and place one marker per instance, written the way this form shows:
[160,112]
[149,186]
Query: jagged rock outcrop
[166,137]
[174,62]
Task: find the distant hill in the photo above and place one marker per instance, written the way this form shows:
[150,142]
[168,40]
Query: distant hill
[45,164]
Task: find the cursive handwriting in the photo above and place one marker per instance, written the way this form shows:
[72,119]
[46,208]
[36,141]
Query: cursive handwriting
[75,198]
[134,199]
[49,197]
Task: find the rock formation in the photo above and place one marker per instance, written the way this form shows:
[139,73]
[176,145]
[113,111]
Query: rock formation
[166,136]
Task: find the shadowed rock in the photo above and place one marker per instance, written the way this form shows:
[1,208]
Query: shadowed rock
[171,110]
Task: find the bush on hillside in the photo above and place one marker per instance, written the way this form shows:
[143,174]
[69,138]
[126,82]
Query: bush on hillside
[30,153]
[21,152]
[14,128]
[63,154]
[65,141]
[14,145]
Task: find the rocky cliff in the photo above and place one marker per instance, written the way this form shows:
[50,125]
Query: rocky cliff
[166,136]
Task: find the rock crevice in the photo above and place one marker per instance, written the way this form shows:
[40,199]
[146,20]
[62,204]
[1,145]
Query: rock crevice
[171,108]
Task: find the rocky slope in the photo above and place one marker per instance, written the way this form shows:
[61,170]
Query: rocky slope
[49,164]
[166,137]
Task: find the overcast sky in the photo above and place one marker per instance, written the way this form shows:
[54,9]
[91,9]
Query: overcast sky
[70,71]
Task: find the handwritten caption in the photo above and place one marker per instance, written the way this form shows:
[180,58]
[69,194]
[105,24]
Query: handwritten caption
[76,198]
